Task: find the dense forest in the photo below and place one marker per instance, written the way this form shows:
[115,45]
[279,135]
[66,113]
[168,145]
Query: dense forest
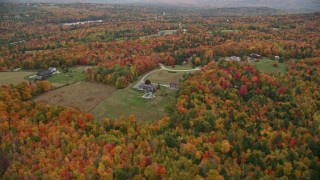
[229,120]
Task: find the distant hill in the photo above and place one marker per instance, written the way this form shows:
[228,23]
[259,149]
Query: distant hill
[241,11]
[278,4]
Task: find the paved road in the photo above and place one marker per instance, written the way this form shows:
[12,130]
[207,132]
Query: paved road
[142,80]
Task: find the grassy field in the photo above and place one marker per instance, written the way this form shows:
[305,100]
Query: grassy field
[83,95]
[167,32]
[94,36]
[266,65]
[165,77]
[75,74]
[13,77]
[181,67]
[128,101]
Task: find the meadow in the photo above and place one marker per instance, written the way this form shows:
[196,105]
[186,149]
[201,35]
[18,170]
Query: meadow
[82,95]
[266,65]
[14,77]
[125,102]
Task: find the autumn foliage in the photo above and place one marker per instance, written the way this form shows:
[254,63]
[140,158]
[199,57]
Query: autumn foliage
[229,120]
[214,132]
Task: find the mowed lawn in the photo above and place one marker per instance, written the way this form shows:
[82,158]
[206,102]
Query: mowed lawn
[73,75]
[166,32]
[128,101]
[84,95]
[266,65]
[7,78]
[165,77]
[181,67]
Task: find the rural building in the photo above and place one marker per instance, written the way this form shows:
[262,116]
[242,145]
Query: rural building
[147,87]
[184,31]
[277,58]
[44,74]
[256,56]
[174,85]
[233,58]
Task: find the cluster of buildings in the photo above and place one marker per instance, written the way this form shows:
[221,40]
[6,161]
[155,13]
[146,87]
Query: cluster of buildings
[150,89]
[147,87]
[253,56]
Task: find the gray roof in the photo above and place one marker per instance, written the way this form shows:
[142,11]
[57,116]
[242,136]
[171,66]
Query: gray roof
[45,73]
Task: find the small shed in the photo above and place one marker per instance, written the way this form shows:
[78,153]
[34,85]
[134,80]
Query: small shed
[174,85]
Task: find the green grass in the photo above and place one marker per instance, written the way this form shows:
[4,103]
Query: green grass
[94,36]
[181,67]
[128,101]
[266,65]
[165,77]
[75,74]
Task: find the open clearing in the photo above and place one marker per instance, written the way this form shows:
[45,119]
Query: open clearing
[128,101]
[169,74]
[74,74]
[180,67]
[13,77]
[266,65]
[165,32]
[83,95]
[165,77]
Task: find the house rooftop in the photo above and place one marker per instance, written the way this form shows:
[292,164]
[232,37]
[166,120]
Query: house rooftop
[45,73]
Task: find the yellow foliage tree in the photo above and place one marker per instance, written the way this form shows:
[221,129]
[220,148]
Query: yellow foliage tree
[197,61]
[225,146]
[287,168]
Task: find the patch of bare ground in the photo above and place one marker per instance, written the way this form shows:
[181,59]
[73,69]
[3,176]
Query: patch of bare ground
[84,95]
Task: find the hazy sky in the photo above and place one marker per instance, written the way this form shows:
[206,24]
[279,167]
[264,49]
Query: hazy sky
[283,4]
